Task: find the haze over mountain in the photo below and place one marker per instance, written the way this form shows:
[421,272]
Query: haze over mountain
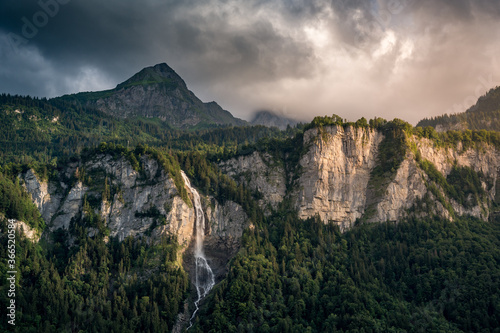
[157,92]
[485,114]
[271,119]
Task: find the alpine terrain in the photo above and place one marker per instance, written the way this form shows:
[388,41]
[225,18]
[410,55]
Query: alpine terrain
[143,209]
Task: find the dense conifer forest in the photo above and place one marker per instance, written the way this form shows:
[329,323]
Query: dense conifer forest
[416,276]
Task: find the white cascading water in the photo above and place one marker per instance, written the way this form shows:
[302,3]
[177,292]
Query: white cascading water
[204,278]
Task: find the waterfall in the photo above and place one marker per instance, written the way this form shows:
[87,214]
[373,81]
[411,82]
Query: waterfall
[204,278]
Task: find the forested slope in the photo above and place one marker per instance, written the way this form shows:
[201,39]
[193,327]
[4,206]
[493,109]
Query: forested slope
[415,276]
[485,114]
[40,130]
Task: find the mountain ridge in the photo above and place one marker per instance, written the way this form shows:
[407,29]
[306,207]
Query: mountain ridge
[485,114]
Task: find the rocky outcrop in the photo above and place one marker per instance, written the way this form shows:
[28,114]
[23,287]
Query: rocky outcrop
[24,229]
[43,194]
[27,231]
[261,173]
[485,159]
[140,201]
[402,192]
[336,171]
[225,224]
[180,221]
[336,182]
[71,206]
[143,203]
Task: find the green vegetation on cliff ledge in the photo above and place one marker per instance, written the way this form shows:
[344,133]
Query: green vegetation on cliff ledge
[391,153]
[168,162]
[15,203]
[462,184]
[467,139]
[393,148]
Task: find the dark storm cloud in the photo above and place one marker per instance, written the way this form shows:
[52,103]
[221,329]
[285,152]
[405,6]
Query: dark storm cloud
[119,36]
[305,57]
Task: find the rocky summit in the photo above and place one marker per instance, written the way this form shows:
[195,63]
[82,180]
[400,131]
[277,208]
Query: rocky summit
[157,92]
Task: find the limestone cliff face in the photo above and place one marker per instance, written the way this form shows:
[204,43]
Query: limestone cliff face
[144,203]
[261,173]
[336,178]
[403,191]
[337,168]
[226,223]
[483,159]
[70,207]
[336,171]
[46,202]
[335,183]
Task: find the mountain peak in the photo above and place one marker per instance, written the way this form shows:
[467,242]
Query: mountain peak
[157,92]
[160,73]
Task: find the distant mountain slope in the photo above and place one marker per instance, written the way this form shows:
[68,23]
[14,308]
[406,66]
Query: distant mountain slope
[271,119]
[157,92]
[485,114]
[33,129]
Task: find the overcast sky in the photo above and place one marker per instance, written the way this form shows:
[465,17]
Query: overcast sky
[390,58]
